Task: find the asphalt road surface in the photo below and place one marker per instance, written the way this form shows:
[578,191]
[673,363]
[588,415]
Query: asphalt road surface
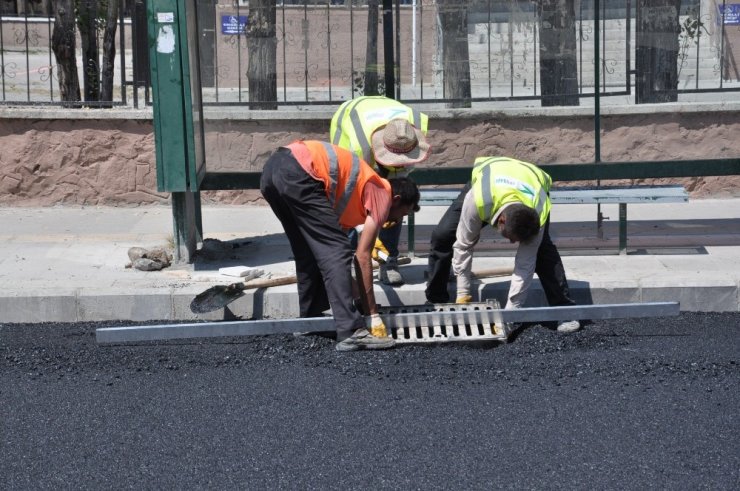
[623,404]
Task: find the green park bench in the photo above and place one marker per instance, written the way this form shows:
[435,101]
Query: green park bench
[621,195]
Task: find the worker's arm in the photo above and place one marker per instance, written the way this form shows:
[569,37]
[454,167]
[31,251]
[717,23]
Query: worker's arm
[364,257]
[468,234]
[524,266]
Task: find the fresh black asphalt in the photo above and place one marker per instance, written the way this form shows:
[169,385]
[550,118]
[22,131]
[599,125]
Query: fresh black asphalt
[623,404]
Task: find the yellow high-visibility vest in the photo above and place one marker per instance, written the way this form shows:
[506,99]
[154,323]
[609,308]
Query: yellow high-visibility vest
[501,180]
[357,119]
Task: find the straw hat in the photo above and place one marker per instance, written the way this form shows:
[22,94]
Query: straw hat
[399,143]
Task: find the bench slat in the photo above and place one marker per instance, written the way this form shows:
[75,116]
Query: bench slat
[625,194]
[650,194]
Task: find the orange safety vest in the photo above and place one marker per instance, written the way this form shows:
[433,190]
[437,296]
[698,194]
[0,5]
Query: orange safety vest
[344,175]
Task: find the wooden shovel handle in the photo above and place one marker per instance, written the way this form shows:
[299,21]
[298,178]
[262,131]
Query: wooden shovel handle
[289,280]
[268,282]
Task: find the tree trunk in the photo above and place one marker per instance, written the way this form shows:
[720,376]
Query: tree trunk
[64,46]
[29,7]
[558,65]
[656,57]
[109,52]
[453,20]
[262,48]
[87,25]
[206,10]
[370,82]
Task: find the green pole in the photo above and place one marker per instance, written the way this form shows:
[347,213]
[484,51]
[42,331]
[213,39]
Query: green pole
[597,83]
[597,112]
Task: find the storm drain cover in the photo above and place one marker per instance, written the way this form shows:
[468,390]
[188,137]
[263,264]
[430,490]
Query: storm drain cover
[442,323]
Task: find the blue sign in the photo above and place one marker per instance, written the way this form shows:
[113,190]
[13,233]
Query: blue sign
[731,13]
[233,24]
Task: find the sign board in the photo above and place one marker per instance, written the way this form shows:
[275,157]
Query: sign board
[233,24]
[731,14]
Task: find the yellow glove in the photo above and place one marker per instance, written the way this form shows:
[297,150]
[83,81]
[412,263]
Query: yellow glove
[380,253]
[377,327]
[463,298]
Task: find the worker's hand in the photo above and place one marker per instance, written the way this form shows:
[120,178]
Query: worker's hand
[463,298]
[376,326]
[380,253]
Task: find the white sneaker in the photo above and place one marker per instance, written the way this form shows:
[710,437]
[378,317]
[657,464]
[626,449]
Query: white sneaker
[569,326]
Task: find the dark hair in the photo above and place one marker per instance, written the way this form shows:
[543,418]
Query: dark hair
[522,222]
[407,190]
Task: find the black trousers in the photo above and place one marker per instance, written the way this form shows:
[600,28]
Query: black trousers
[440,252]
[549,266]
[321,249]
[390,237]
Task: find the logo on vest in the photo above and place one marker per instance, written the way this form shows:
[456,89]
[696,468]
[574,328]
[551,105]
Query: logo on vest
[385,114]
[508,182]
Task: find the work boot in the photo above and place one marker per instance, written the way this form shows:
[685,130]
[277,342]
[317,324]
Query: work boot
[362,339]
[569,326]
[389,274]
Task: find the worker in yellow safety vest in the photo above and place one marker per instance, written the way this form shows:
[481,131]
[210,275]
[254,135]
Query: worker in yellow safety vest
[390,137]
[513,197]
[318,192]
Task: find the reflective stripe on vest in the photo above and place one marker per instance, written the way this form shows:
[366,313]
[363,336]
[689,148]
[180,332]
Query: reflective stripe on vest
[354,117]
[340,119]
[349,187]
[349,109]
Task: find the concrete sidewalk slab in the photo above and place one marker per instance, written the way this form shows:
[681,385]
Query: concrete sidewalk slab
[69,263]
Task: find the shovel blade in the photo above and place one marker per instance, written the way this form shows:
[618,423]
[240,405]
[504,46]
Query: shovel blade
[216,297]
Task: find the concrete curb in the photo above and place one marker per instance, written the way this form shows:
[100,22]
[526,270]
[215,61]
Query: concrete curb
[173,304]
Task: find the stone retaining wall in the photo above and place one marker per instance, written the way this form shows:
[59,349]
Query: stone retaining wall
[111,161]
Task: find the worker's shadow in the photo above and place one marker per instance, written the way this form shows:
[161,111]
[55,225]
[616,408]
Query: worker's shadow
[390,293]
[413,275]
[250,252]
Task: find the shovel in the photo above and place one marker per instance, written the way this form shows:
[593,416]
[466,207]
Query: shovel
[219,296]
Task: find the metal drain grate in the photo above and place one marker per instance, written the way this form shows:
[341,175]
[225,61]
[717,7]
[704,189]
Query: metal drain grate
[441,323]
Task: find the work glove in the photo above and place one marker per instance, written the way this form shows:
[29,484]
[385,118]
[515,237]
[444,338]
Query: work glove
[463,298]
[376,326]
[380,253]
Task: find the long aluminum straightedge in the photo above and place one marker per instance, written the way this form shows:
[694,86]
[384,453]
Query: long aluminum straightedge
[408,324]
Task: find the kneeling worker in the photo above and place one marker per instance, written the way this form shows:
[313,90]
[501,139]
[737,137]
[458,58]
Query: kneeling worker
[512,196]
[319,191]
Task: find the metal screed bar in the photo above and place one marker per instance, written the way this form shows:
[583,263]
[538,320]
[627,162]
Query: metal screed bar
[409,324]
